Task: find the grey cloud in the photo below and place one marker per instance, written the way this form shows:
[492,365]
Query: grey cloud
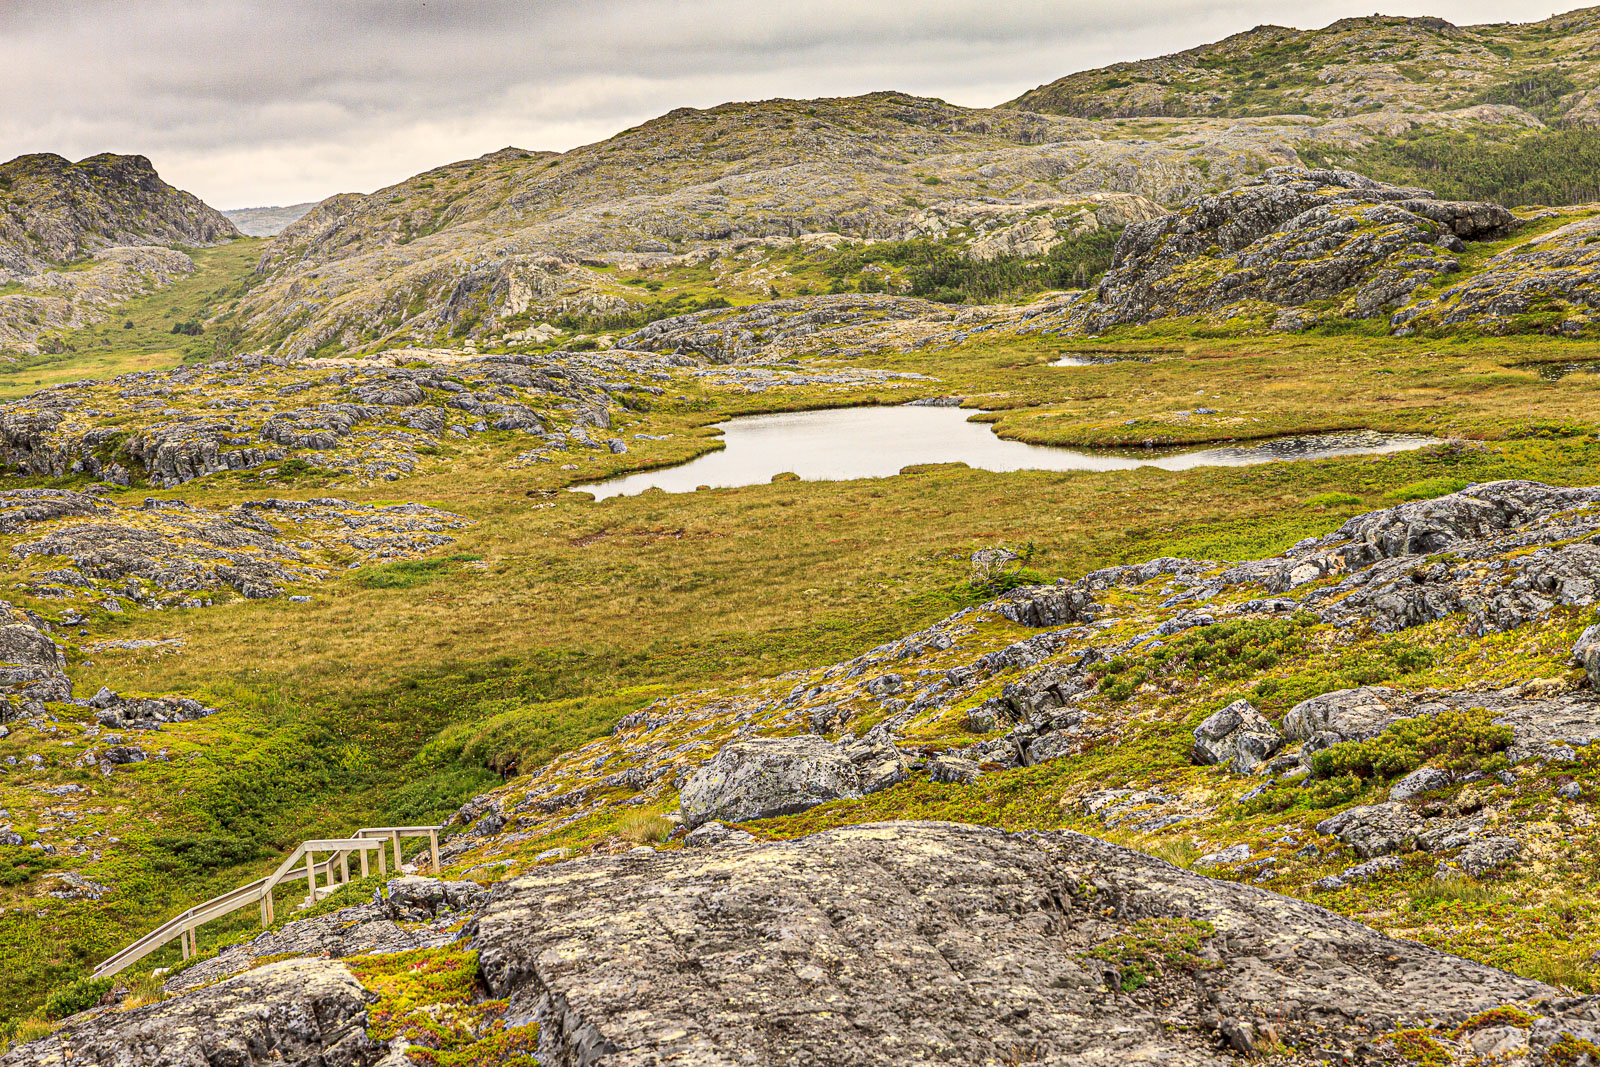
[245,101]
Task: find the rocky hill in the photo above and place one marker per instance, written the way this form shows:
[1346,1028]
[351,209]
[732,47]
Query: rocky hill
[1354,66]
[751,200]
[54,212]
[79,239]
[736,203]
[1293,239]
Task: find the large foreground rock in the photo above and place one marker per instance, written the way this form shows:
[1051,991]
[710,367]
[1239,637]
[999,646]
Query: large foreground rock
[769,776]
[936,942]
[302,1013]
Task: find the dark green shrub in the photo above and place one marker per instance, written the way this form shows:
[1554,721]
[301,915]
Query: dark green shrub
[79,996]
[202,852]
[18,866]
[1460,741]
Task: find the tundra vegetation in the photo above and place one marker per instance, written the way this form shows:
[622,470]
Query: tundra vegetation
[299,537]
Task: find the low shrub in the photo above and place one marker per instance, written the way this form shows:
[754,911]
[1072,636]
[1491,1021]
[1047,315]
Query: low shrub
[1460,741]
[644,828]
[203,852]
[81,995]
[1426,489]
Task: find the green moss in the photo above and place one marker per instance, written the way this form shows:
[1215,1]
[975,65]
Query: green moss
[1155,947]
[432,999]
[1333,500]
[1569,1051]
[1420,1047]
[1507,1015]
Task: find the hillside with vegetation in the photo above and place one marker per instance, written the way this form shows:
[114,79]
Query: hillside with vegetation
[1268,732]
[1354,66]
[78,241]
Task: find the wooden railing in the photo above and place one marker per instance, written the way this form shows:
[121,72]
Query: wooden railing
[301,864]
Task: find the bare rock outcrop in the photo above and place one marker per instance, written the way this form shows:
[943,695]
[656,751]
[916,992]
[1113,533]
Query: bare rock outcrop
[1549,284]
[307,1013]
[1292,237]
[945,942]
[768,776]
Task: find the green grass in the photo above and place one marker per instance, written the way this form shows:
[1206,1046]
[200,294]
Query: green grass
[402,690]
[110,348]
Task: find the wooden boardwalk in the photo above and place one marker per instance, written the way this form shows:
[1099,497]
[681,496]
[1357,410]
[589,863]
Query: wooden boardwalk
[321,877]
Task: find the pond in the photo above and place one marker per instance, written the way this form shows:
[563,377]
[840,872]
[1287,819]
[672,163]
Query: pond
[1554,372]
[1095,361]
[876,442]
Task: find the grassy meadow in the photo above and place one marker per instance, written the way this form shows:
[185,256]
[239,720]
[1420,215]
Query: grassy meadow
[398,692]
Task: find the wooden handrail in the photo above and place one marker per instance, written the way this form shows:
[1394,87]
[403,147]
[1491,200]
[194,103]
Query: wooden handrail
[299,864]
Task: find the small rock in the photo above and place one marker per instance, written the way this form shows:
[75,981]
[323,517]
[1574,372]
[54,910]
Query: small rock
[1586,654]
[711,834]
[1238,735]
[1232,854]
[1489,854]
[952,769]
[1422,780]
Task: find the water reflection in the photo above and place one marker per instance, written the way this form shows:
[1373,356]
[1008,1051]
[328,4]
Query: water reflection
[876,442]
[1095,361]
[1554,372]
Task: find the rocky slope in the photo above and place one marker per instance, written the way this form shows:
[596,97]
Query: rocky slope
[489,247]
[45,304]
[54,212]
[1294,238]
[1356,65]
[1281,252]
[371,419]
[1548,284]
[1121,702]
[110,219]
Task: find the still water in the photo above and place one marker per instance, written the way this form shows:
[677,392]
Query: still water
[1554,372]
[877,442]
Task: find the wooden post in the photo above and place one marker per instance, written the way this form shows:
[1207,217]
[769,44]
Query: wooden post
[311,877]
[183,943]
[344,867]
[363,863]
[383,864]
[395,836]
[433,850]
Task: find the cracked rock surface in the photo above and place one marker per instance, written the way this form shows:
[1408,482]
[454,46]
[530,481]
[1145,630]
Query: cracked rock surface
[307,1013]
[942,942]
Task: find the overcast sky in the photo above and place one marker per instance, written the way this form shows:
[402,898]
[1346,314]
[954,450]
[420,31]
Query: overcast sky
[249,102]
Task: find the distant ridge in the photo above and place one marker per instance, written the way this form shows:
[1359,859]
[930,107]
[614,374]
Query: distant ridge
[267,221]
